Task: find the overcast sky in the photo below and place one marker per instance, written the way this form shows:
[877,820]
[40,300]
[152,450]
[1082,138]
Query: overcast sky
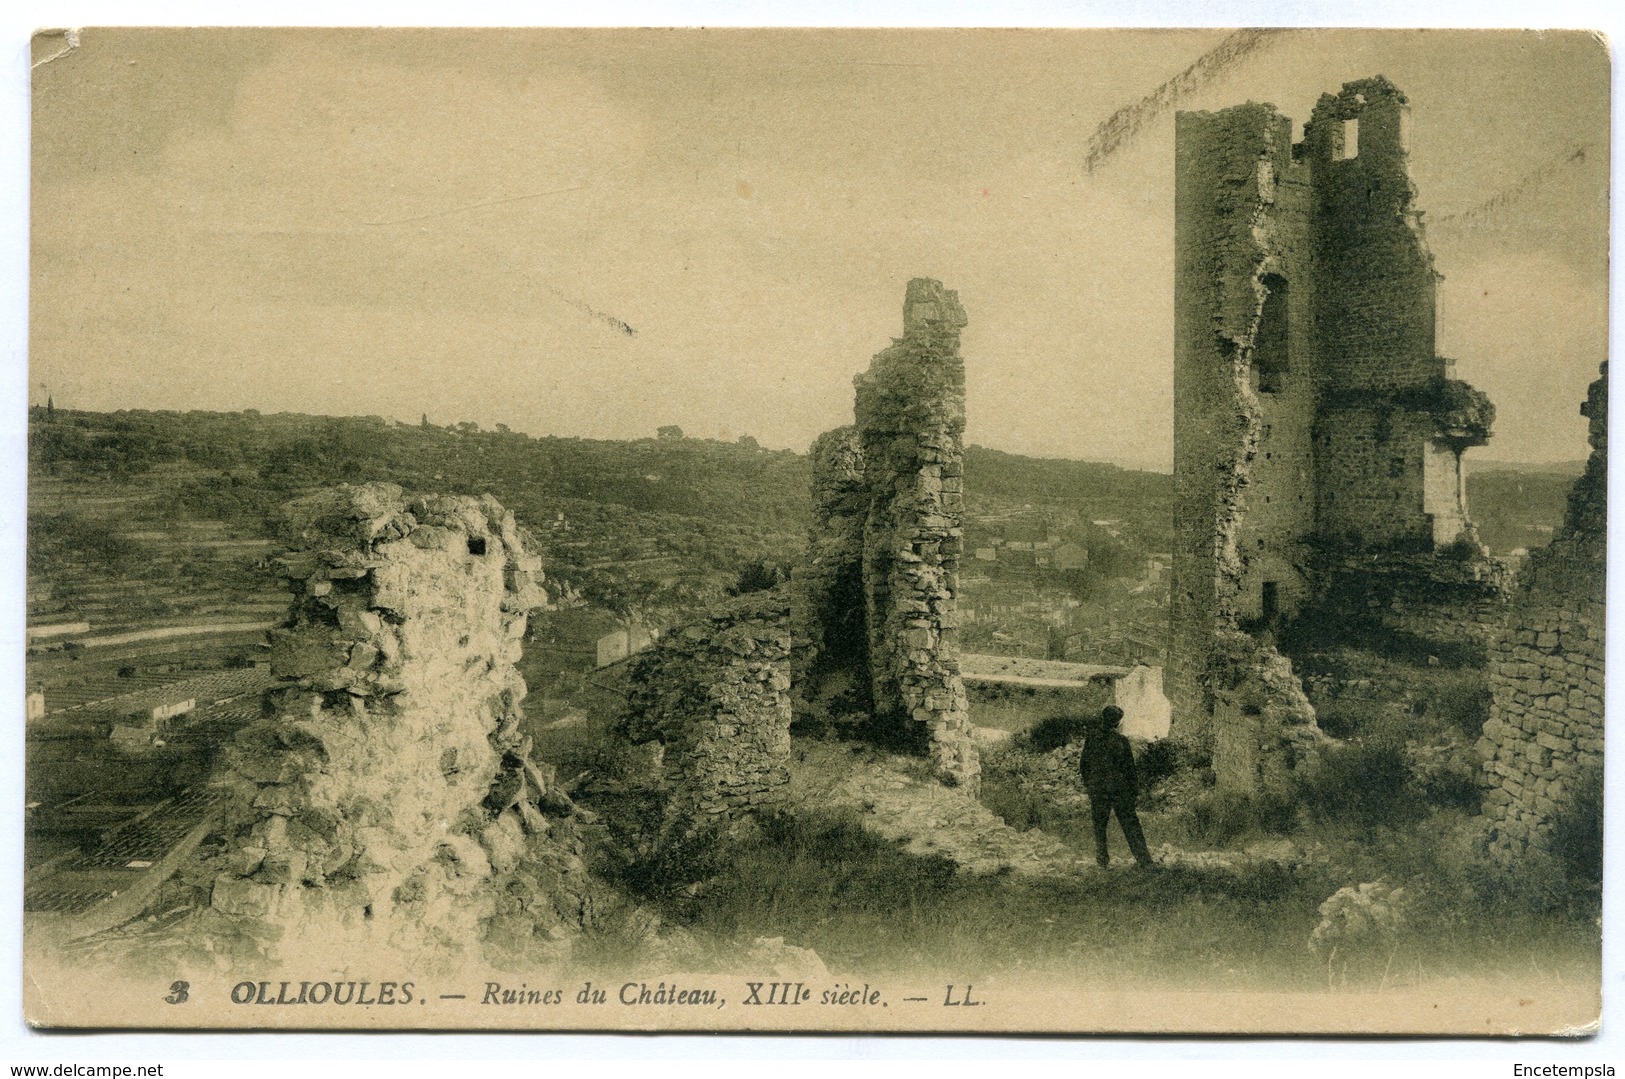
[595,233]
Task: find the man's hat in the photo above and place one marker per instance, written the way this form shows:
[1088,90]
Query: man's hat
[1111,715]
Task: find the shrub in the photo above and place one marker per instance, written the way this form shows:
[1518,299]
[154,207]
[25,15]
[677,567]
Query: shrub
[759,576]
[1362,783]
[1157,761]
[806,874]
[1345,717]
[54,539]
[1053,732]
[1459,699]
[657,859]
[1220,817]
[1265,882]
[1020,808]
[1445,861]
[1577,832]
[1444,770]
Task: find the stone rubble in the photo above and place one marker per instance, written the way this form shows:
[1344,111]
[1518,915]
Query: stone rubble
[899,802]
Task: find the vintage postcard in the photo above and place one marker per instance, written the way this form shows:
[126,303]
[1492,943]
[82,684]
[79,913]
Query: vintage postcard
[817,530]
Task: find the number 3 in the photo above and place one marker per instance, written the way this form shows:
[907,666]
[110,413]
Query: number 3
[177,993]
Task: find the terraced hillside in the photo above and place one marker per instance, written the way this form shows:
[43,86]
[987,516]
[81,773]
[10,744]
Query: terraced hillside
[124,593]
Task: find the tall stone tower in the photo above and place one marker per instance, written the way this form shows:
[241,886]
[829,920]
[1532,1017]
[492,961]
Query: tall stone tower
[1312,415]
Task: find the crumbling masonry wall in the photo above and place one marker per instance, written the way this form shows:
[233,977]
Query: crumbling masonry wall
[388,799]
[1263,724]
[1312,417]
[897,485]
[716,695]
[1542,747]
[911,418]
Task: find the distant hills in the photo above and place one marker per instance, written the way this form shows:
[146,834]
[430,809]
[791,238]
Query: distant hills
[1013,477]
[677,513]
[670,519]
[1518,506]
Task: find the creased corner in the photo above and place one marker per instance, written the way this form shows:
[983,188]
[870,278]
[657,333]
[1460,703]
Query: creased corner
[54,44]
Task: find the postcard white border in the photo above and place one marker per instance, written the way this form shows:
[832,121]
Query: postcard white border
[417,1054]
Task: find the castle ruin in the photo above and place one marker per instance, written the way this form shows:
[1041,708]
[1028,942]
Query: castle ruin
[876,605]
[1318,435]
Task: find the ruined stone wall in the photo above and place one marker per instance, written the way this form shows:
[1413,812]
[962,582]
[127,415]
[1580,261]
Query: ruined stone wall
[716,695]
[1384,406]
[1450,608]
[1543,745]
[876,605]
[387,800]
[1277,505]
[1219,172]
[831,683]
[1406,636]
[910,411]
[1371,477]
[1264,727]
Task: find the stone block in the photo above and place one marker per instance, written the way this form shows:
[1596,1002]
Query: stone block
[245,860]
[284,866]
[244,898]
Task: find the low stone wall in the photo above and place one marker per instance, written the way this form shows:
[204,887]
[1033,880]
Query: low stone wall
[715,694]
[1543,744]
[1014,693]
[1546,730]
[388,799]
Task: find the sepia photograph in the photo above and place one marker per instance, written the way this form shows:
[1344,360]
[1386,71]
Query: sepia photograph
[808,530]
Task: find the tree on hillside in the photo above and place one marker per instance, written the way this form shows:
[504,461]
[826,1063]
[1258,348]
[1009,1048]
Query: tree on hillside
[635,600]
[759,576]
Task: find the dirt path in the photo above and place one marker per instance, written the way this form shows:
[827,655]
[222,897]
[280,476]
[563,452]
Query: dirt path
[897,800]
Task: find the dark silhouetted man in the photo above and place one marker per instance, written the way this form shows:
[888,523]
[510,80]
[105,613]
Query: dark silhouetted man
[1107,765]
